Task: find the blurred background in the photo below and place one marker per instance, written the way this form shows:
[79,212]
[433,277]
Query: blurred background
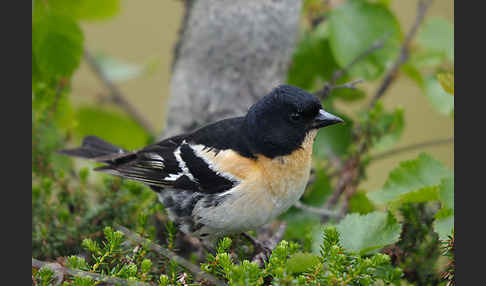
[143,35]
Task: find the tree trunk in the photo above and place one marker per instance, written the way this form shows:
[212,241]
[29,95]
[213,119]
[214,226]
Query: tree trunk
[229,54]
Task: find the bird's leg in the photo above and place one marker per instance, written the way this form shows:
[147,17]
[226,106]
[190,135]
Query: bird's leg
[258,246]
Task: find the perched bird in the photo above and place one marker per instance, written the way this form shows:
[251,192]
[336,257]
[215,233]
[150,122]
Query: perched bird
[230,176]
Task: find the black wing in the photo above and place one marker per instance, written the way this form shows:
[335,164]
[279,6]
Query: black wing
[173,163]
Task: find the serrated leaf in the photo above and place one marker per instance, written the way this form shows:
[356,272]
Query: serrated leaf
[354,27]
[411,176]
[437,35]
[446,80]
[87,9]
[438,97]
[57,43]
[365,234]
[112,126]
[444,226]
[300,262]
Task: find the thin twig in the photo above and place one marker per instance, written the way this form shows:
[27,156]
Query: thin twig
[74,272]
[315,210]
[198,273]
[352,170]
[330,86]
[422,7]
[116,95]
[411,147]
[378,44]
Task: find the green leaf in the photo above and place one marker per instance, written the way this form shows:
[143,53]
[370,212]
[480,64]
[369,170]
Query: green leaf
[444,226]
[300,262]
[437,35]
[368,233]
[425,194]
[413,73]
[446,193]
[57,43]
[111,126]
[86,9]
[438,97]
[354,27]
[446,80]
[359,203]
[418,175]
[426,59]
[312,59]
[444,218]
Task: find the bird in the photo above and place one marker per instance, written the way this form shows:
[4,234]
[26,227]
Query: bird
[230,176]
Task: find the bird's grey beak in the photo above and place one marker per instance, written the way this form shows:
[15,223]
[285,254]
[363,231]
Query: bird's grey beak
[324,119]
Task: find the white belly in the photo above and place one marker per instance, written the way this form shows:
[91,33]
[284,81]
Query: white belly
[258,204]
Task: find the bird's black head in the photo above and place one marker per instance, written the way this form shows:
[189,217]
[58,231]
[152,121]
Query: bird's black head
[279,122]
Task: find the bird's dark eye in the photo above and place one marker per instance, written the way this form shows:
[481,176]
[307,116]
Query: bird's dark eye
[295,116]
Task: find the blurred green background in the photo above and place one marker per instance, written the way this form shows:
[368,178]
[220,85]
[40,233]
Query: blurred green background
[144,34]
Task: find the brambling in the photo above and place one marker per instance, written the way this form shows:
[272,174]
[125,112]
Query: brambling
[230,176]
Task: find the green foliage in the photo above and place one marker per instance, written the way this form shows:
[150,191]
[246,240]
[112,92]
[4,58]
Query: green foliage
[417,251]
[438,97]
[359,203]
[386,127]
[317,193]
[418,175]
[87,9]
[315,53]
[113,259]
[45,276]
[444,223]
[288,266]
[354,27]
[300,262]
[111,126]
[437,35]
[421,180]
[57,43]
[368,233]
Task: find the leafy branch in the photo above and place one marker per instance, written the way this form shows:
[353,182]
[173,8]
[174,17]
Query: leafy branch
[60,270]
[171,255]
[390,76]
[352,169]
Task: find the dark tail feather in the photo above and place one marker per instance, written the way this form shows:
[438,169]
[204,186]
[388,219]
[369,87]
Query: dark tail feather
[93,147]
